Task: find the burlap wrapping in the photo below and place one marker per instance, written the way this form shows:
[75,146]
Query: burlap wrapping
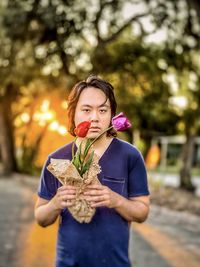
[67,174]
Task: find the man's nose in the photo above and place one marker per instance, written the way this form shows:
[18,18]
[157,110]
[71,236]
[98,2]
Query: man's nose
[94,116]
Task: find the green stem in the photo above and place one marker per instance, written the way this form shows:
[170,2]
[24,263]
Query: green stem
[88,147]
[87,150]
[73,154]
[99,137]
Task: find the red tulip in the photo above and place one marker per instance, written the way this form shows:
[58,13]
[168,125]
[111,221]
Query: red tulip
[82,129]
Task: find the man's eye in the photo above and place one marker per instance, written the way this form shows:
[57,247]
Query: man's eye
[85,110]
[103,110]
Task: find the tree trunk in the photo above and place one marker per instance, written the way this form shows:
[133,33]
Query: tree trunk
[6,143]
[30,153]
[187,158]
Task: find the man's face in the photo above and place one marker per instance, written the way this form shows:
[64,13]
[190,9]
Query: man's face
[92,106]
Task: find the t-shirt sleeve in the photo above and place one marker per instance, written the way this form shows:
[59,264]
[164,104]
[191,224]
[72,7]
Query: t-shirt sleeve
[48,185]
[137,183]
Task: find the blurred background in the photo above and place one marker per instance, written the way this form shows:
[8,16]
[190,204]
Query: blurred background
[150,51]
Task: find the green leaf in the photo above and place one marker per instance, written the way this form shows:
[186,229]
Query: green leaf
[76,161]
[87,147]
[79,152]
[88,163]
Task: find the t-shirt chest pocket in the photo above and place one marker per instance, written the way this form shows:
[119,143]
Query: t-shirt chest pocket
[115,184]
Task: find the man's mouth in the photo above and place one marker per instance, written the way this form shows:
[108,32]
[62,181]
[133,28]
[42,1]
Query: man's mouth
[94,129]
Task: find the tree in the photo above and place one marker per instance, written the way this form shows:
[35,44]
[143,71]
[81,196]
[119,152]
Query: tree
[49,39]
[45,38]
[186,72]
[27,47]
[180,56]
[183,57]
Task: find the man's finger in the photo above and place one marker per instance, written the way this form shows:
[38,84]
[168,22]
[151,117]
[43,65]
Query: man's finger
[92,193]
[95,186]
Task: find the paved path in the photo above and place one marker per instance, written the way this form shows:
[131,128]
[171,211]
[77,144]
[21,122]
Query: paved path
[15,217]
[175,236]
[167,238]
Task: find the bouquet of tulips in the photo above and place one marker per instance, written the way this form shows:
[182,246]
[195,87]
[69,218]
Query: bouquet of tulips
[83,168]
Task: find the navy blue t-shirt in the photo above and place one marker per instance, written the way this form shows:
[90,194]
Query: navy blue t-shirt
[104,241]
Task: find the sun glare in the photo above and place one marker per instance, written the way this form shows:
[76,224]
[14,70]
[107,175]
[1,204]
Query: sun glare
[62,130]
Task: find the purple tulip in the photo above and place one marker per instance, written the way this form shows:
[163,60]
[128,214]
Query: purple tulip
[120,122]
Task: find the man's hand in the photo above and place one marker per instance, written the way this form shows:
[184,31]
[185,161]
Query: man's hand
[132,209]
[100,195]
[64,197]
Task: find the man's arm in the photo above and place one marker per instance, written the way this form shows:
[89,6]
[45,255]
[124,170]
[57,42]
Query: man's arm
[133,209]
[47,211]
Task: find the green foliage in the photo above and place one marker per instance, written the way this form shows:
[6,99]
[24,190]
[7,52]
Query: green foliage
[49,40]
